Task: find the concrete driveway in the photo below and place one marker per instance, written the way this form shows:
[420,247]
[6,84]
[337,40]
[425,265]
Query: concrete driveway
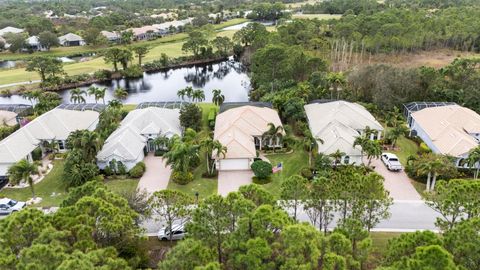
[156,176]
[397,183]
[230,181]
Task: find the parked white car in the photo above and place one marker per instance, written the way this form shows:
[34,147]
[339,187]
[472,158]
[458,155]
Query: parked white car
[177,232]
[8,206]
[391,161]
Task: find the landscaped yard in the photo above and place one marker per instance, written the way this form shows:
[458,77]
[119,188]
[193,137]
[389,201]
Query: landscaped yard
[407,148]
[121,186]
[204,186]
[292,164]
[50,189]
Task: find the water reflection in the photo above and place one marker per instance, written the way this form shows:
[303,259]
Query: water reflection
[229,76]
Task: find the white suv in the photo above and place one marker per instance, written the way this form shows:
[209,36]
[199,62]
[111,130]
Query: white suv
[8,206]
[391,161]
[177,232]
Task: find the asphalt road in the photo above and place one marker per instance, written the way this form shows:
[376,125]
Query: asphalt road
[406,216]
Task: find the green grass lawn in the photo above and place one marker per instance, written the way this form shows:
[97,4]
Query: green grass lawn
[170,45]
[204,186]
[121,186]
[407,148]
[50,189]
[292,164]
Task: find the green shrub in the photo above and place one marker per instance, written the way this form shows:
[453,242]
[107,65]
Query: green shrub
[137,170]
[37,154]
[107,171]
[306,173]
[260,181]
[134,71]
[211,117]
[182,178]
[159,152]
[121,168]
[423,149]
[102,74]
[262,169]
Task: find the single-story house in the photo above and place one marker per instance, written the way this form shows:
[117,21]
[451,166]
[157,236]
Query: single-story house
[56,124]
[71,39]
[8,118]
[449,130]
[136,135]
[111,36]
[32,43]
[241,130]
[145,32]
[10,29]
[172,26]
[338,124]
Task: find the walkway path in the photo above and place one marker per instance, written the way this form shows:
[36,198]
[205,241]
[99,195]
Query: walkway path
[18,83]
[229,181]
[156,176]
[397,183]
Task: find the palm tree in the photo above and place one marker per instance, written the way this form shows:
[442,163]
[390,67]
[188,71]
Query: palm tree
[115,103]
[393,118]
[373,150]
[395,133]
[77,95]
[121,93]
[161,141]
[210,146]
[181,94]
[32,96]
[97,93]
[474,160]
[92,91]
[337,157]
[335,80]
[362,142]
[310,142]
[198,95]
[23,170]
[432,165]
[273,133]
[187,91]
[217,98]
[181,155]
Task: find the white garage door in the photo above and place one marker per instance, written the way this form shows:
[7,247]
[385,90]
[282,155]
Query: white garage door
[234,164]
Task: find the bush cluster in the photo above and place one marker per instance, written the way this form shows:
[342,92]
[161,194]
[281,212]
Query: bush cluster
[261,169]
[182,178]
[138,170]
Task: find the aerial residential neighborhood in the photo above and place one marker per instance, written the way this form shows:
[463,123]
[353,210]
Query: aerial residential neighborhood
[246,134]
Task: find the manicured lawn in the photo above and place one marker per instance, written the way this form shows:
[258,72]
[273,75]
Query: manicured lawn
[129,107]
[204,186]
[292,164]
[51,189]
[407,148]
[171,45]
[121,186]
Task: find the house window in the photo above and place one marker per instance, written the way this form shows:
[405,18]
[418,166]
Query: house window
[346,159]
[61,145]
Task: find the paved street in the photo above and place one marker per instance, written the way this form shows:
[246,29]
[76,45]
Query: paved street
[406,216]
[397,183]
[156,176]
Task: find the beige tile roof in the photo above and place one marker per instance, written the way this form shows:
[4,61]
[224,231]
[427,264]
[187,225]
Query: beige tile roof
[236,127]
[338,123]
[448,127]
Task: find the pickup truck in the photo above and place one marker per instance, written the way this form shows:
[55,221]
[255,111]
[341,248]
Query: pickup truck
[8,206]
[391,162]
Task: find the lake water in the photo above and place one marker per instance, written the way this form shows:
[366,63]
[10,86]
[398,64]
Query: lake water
[229,76]
[7,64]
[242,25]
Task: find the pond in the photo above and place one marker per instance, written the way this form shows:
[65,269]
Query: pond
[229,76]
[242,25]
[7,64]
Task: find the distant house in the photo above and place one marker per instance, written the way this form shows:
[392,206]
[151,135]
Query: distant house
[338,124]
[171,27]
[32,43]
[55,125]
[136,135]
[241,130]
[145,32]
[449,130]
[70,40]
[10,29]
[111,36]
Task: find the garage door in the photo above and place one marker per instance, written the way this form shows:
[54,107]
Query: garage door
[234,164]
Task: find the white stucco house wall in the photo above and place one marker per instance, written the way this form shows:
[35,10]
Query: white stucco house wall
[240,130]
[338,124]
[136,135]
[56,124]
[448,130]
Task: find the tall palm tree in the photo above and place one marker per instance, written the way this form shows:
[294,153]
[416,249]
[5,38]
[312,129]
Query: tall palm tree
[181,155]
[218,98]
[211,146]
[362,142]
[474,160]
[198,95]
[273,133]
[432,165]
[310,142]
[92,91]
[181,94]
[23,170]
[337,157]
[335,81]
[100,94]
[32,96]
[373,149]
[115,103]
[77,95]
[395,133]
[393,118]
[188,91]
